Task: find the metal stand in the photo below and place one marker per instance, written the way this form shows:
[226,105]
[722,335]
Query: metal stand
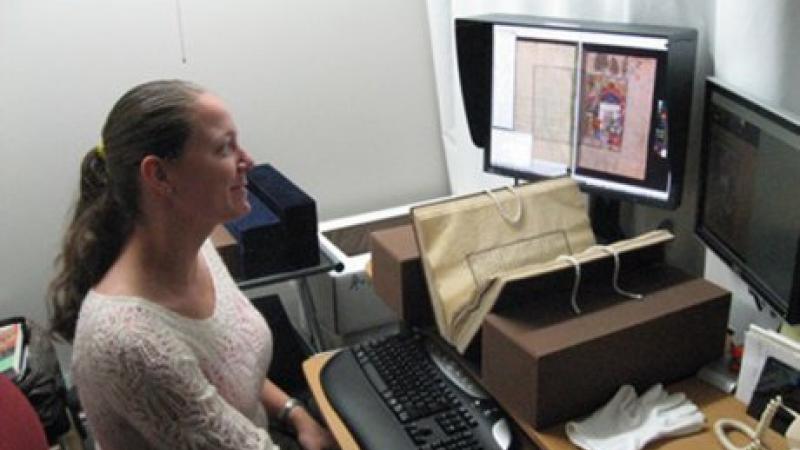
[327,262]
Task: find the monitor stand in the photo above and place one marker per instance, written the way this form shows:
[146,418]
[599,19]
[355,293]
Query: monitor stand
[604,215]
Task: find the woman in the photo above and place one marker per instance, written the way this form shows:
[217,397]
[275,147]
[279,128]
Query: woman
[168,353]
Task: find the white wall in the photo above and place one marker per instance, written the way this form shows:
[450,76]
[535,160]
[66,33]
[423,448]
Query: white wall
[756,49]
[338,94]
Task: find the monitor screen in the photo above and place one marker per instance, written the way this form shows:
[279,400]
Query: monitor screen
[748,210]
[569,100]
[587,106]
[607,104]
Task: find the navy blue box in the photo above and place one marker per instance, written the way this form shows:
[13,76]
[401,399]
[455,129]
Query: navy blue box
[296,210]
[280,232]
[256,235]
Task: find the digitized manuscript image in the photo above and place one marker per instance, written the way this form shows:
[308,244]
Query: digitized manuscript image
[615,114]
[544,85]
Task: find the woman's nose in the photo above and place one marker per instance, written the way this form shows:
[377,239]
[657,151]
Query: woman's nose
[246,162]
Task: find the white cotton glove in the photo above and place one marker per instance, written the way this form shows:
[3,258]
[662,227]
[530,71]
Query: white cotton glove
[667,415]
[630,423]
[604,428]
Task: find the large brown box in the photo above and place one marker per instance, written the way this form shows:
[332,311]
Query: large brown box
[547,365]
[397,274]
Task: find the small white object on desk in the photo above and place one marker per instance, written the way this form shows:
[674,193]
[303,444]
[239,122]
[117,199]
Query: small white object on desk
[717,374]
[629,422]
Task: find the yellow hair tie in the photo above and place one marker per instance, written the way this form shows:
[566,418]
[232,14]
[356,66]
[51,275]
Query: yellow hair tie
[101,149]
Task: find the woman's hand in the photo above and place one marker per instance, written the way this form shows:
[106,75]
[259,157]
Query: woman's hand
[310,434]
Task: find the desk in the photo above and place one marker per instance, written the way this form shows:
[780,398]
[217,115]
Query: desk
[312,368]
[714,403]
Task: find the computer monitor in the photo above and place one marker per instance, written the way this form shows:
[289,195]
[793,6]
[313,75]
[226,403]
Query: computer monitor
[607,104]
[748,211]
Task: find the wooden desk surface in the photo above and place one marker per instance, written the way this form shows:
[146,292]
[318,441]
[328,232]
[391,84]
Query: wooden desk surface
[312,368]
[714,403]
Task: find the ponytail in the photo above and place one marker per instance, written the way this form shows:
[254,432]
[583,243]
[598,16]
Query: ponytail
[94,239]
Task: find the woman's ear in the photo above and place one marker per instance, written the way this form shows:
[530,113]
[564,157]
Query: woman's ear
[154,175]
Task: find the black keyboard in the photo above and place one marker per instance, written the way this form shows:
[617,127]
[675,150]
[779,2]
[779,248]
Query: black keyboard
[393,394]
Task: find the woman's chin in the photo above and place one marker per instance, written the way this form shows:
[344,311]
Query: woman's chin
[239,211]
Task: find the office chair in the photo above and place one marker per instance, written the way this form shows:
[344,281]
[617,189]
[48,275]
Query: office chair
[20,426]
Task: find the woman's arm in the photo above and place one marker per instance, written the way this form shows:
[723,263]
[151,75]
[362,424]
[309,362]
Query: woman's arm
[309,433]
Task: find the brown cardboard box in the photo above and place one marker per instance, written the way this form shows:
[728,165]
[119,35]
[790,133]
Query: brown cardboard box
[397,274]
[547,365]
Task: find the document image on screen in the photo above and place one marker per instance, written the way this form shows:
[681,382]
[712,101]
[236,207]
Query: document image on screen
[615,113]
[543,107]
[534,86]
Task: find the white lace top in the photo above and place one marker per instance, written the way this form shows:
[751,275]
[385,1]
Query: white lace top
[149,378]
